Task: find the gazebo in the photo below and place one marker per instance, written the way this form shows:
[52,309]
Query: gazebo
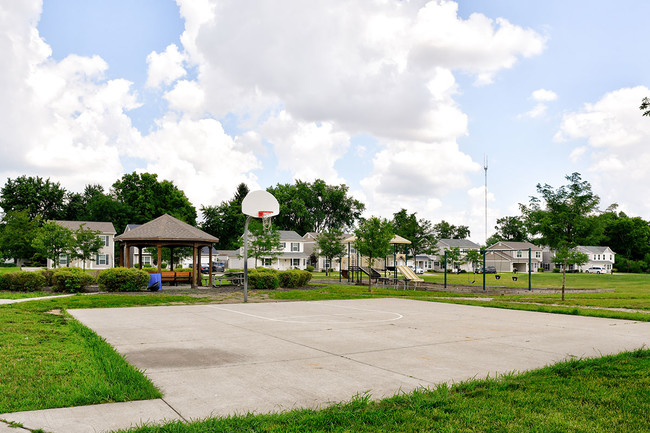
[166,231]
[396,240]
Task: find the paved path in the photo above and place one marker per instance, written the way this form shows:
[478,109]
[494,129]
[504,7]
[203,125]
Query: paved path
[212,360]
[14,301]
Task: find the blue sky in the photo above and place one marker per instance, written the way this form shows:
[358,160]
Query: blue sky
[401,101]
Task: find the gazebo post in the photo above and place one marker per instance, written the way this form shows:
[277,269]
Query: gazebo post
[140,257]
[199,280]
[171,258]
[159,258]
[210,265]
[194,266]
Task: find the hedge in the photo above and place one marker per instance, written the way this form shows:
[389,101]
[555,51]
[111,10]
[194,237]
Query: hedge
[123,280]
[71,280]
[263,279]
[23,281]
[294,278]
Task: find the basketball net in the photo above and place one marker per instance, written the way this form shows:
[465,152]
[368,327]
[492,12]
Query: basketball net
[266,219]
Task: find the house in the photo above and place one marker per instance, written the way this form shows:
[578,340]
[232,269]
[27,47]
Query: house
[292,254]
[105,257]
[321,263]
[508,256]
[602,257]
[463,245]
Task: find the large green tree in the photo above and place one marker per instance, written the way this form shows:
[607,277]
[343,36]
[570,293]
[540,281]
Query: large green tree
[146,198]
[17,232]
[262,242]
[38,197]
[53,240]
[226,220]
[445,230]
[87,243]
[419,232]
[315,207]
[563,218]
[373,238]
[509,228]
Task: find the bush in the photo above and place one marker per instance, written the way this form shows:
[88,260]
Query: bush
[123,280]
[294,278]
[71,280]
[23,281]
[310,268]
[48,274]
[4,282]
[263,279]
[182,269]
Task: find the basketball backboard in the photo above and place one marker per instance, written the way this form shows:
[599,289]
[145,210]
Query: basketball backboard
[260,204]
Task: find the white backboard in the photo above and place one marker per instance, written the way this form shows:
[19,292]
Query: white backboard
[260,201]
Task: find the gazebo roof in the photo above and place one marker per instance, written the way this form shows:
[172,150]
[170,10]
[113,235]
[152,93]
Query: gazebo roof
[166,228]
[397,239]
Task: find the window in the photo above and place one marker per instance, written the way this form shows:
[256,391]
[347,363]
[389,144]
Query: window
[146,260]
[102,259]
[610,257]
[519,254]
[538,254]
[266,262]
[295,263]
[598,256]
[295,246]
[283,245]
[326,264]
[63,259]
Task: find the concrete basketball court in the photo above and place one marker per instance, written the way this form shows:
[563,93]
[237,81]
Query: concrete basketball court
[214,360]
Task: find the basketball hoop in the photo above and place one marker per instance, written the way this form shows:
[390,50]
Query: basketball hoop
[266,216]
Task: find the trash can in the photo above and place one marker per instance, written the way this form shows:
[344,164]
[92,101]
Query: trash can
[155,282]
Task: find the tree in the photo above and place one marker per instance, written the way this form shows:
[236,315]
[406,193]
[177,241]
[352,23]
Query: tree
[567,257]
[509,228]
[330,245]
[454,257]
[263,243]
[315,207]
[444,230]
[38,197]
[645,106]
[53,240]
[87,243]
[146,198]
[419,232]
[17,232]
[563,218]
[373,239]
[226,221]
[474,257]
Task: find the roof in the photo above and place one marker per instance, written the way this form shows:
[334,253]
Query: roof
[289,235]
[130,227]
[458,243]
[594,250]
[104,227]
[513,246]
[166,228]
[397,239]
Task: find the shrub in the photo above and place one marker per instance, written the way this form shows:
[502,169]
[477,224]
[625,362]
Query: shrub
[294,278]
[310,268]
[263,279]
[123,280]
[48,274]
[4,282]
[182,269]
[23,281]
[71,280]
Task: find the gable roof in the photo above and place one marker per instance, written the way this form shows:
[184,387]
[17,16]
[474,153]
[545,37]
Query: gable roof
[458,243]
[290,235]
[102,226]
[166,228]
[514,246]
[594,250]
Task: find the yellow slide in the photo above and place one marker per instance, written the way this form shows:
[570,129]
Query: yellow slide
[409,274]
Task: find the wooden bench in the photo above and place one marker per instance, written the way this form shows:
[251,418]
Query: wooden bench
[176,277]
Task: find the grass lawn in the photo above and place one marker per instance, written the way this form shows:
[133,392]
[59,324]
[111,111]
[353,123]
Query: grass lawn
[591,396]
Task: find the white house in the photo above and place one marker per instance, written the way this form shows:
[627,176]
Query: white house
[508,256]
[105,258]
[463,245]
[292,254]
[311,247]
[602,257]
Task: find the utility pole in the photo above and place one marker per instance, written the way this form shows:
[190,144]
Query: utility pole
[485,168]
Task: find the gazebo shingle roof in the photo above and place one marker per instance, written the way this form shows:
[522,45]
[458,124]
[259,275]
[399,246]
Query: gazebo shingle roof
[166,228]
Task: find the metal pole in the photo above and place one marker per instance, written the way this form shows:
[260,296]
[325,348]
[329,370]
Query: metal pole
[395,260]
[530,268]
[445,268]
[349,258]
[484,252]
[246,259]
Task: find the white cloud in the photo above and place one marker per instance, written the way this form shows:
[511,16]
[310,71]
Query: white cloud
[186,97]
[617,136]
[165,68]
[544,95]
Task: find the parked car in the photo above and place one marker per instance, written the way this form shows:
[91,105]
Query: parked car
[595,270]
[216,267]
[488,270]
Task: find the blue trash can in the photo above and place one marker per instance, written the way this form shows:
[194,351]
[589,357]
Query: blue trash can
[155,282]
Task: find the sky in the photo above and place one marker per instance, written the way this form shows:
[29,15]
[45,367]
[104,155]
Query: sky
[402,101]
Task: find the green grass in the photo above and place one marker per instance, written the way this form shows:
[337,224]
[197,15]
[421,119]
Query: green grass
[50,360]
[591,396]
[7,269]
